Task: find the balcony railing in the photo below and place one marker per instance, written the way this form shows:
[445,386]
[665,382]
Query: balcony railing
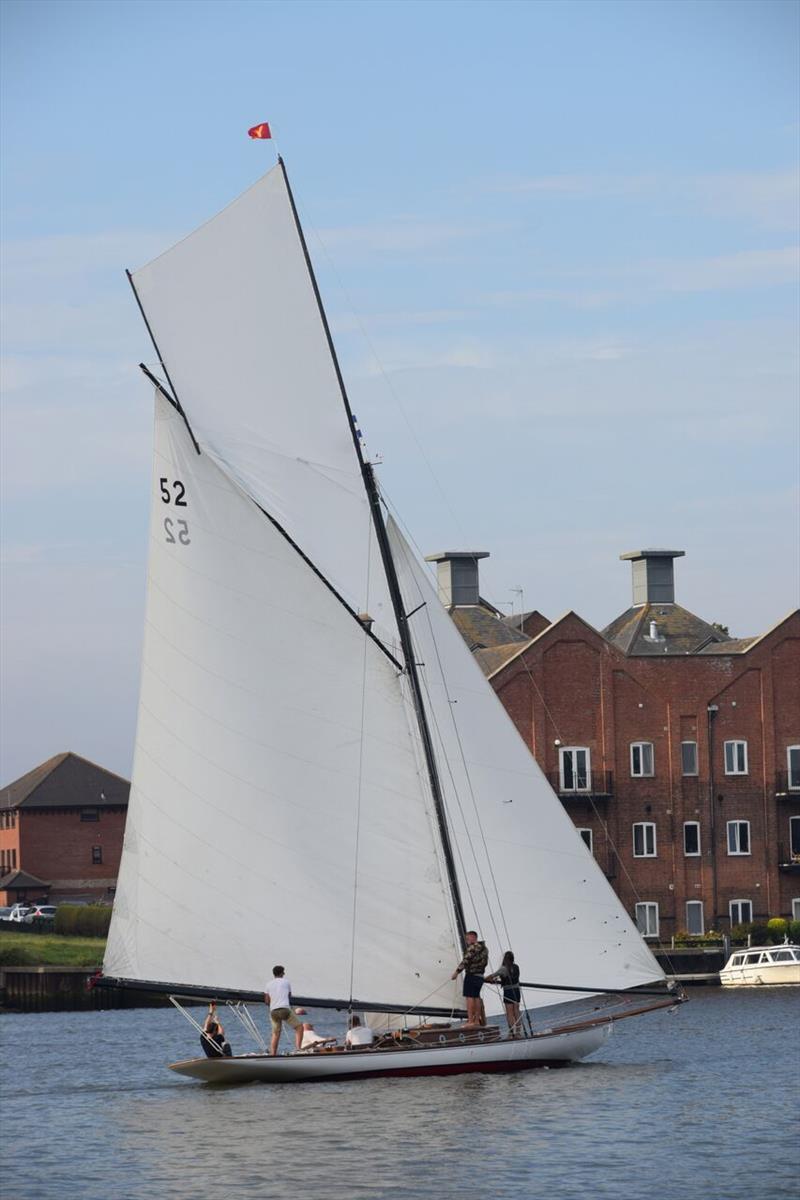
[789,860]
[598,786]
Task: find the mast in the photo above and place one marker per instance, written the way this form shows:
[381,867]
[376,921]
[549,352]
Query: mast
[373,495]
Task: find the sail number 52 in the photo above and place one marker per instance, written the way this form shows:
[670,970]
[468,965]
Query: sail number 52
[176,531]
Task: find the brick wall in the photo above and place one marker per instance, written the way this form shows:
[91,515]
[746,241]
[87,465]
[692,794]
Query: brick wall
[56,845]
[572,686]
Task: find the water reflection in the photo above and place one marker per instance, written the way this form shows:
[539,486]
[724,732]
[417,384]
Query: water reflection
[672,1102]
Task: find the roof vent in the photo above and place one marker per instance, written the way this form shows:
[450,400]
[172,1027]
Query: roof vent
[457,576]
[653,575]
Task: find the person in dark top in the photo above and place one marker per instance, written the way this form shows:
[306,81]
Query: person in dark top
[508,976]
[212,1039]
[473,964]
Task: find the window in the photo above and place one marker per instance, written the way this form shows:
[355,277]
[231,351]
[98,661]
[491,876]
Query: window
[796,909]
[794,837]
[694,917]
[736,758]
[97,855]
[644,840]
[793,764]
[740,912]
[691,838]
[641,758]
[14,860]
[688,758]
[574,768]
[90,814]
[738,837]
[586,834]
[647,919]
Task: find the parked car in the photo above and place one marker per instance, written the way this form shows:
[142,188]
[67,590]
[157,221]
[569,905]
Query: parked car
[5,912]
[18,913]
[44,911]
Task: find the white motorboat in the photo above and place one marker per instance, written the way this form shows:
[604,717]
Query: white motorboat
[762,966]
[314,739]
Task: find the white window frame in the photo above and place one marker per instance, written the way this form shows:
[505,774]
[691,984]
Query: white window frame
[732,766]
[740,919]
[644,826]
[796,909]
[738,840]
[695,904]
[587,841]
[563,751]
[792,851]
[692,853]
[642,747]
[792,786]
[646,914]
[687,774]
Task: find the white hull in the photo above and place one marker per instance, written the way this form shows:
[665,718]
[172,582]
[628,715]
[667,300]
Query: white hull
[554,1049]
[765,975]
[762,966]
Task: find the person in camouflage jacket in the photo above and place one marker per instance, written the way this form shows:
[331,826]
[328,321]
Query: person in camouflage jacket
[473,964]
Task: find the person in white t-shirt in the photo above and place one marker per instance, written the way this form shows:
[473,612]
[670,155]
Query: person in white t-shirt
[279,1000]
[358,1034]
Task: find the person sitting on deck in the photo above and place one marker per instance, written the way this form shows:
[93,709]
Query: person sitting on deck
[473,964]
[212,1039]
[358,1034]
[312,1039]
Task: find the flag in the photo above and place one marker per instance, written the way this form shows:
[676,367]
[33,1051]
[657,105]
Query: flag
[260,131]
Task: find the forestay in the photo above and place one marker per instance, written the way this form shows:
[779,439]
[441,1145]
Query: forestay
[527,880]
[277,806]
[233,311]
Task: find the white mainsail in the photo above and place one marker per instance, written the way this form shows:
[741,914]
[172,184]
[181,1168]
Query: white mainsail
[278,812]
[527,881]
[233,312]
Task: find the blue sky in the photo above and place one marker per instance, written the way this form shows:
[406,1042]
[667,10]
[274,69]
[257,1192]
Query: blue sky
[558,243]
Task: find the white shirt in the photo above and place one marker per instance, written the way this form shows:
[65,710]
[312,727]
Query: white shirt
[279,992]
[361,1035]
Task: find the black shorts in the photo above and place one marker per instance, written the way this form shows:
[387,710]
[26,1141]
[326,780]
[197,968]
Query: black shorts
[472,986]
[512,995]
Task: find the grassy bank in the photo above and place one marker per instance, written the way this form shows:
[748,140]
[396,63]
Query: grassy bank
[50,950]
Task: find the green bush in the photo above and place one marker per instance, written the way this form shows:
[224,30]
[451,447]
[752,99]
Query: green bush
[82,920]
[776,928]
[794,931]
[16,956]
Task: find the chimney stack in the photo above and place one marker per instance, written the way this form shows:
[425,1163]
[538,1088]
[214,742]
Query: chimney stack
[457,576]
[653,575]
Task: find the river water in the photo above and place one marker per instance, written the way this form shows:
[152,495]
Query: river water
[701,1103]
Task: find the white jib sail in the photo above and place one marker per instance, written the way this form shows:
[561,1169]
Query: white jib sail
[277,811]
[233,311]
[528,882]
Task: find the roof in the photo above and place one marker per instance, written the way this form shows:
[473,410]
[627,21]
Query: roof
[20,879]
[530,623]
[678,632]
[495,657]
[481,628]
[66,781]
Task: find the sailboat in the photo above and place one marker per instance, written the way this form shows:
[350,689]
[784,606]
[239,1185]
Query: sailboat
[323,778]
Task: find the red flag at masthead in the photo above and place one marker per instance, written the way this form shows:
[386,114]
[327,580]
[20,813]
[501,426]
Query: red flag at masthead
[260,131]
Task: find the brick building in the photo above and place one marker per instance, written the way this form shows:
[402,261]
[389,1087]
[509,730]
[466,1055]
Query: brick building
[61,829]
[674,748]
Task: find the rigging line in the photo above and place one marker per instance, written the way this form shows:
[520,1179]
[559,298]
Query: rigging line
[359,790]
[464,822]
[451,706]
[175,400]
